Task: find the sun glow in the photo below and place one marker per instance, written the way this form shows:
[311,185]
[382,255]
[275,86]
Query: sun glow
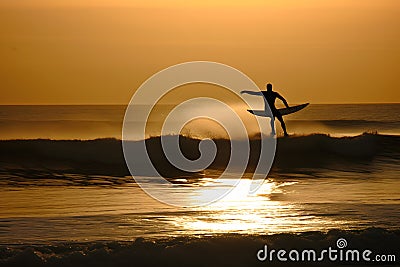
[241,212]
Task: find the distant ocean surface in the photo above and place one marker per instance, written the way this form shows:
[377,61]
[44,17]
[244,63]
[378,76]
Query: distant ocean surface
[67,183]
[90,122]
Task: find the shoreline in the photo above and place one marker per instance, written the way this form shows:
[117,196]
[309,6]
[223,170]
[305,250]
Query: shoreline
[216,250]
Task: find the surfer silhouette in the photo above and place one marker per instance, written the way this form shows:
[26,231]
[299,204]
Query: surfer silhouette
[269,98]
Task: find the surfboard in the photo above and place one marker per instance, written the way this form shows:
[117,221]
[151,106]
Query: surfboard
[283,111]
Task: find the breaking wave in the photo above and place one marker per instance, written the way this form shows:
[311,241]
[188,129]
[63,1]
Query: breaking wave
[224,250]
[33,158]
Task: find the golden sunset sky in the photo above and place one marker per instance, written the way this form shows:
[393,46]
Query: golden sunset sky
[99,52]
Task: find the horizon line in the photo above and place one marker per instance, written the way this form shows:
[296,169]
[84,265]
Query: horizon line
[126,104]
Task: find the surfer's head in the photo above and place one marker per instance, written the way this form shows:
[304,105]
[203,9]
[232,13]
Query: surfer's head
[269,87]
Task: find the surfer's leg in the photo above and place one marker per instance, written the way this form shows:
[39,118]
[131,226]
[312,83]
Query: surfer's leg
[279,117]
[272,123]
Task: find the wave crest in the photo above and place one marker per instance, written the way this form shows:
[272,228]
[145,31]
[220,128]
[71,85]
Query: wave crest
[224,250]
[105,157]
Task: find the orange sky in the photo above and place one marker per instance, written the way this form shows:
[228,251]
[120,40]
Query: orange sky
[99,52]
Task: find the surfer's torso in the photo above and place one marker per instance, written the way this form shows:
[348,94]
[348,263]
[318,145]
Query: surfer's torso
[269,98]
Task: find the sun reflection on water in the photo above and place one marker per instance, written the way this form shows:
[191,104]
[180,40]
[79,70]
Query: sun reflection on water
[240,212]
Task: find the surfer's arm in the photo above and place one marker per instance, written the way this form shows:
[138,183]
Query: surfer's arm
[282,99]
[251,92]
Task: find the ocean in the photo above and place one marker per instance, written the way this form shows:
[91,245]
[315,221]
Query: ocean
[67,198]
[91,122]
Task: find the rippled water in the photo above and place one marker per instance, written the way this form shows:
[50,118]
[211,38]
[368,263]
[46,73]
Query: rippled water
[80,191]
[34,214]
